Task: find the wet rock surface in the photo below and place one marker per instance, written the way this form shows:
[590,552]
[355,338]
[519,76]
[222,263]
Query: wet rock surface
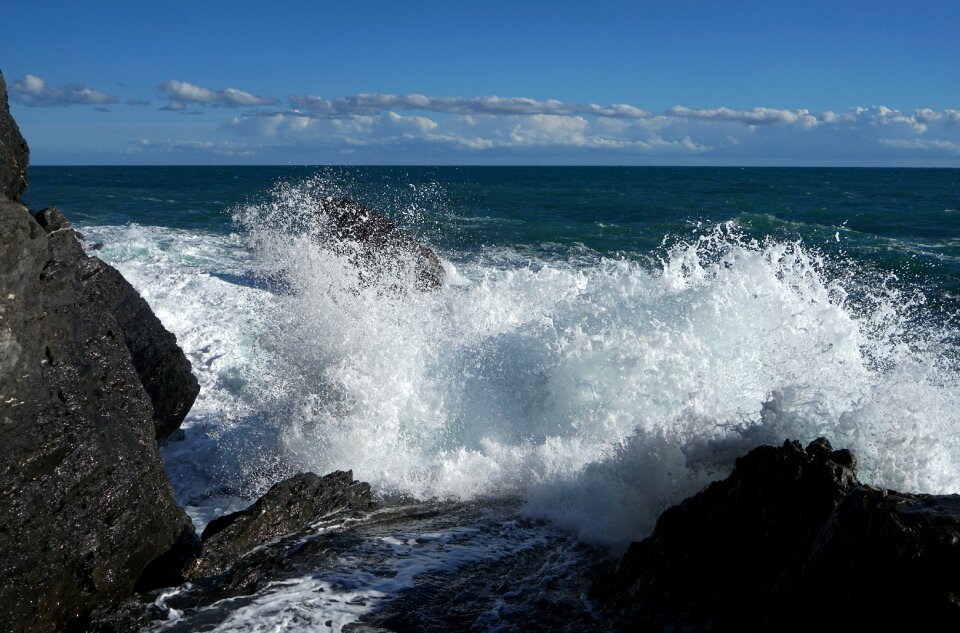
[85,505]
[792,541]
[289,506]
[380,244]
[429,566]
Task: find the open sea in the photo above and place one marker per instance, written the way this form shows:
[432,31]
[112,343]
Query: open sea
[609,340]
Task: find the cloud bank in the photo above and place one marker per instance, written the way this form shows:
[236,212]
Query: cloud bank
[464,126]
[34,91]
[415,127]
[374,103]
[181,93]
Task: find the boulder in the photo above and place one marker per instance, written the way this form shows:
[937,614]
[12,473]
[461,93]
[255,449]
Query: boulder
[791,541]
[376,244]
[14,153]
[164,371]
[289,506]
[85,505]
[714,559]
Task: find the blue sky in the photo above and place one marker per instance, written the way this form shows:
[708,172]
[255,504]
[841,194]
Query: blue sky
[832,83]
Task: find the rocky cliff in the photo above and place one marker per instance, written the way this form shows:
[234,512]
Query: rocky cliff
[89,380]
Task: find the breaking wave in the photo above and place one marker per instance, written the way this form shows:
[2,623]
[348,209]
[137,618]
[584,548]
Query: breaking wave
[599,390]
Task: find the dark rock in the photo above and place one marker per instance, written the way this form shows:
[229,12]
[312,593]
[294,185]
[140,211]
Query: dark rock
[52,219]
[164,371]
[791,541]
[161,365]
[882,547]
[715,560]
[14,153]
[289,506]
[380,243]
[169,569]
[85,505]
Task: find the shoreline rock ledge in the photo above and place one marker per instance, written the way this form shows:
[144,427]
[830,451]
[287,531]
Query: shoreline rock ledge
[89,382]
[792,541]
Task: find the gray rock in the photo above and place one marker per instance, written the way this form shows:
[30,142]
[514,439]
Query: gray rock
[14,153]
[289,506]
[380,243]
[163,369]
[85,505]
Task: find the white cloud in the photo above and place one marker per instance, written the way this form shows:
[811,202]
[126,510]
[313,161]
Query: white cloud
[757,116]
[417,124]
[923,144]
[218,148]
[34,91]
[420,125]
[182,93]
[377,103]
[550,129]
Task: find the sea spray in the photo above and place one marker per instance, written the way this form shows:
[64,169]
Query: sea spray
[599,389]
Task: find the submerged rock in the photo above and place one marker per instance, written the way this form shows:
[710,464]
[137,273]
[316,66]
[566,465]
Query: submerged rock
[85,505]
[792,541]
[14,153]
[379,243]
[289,506]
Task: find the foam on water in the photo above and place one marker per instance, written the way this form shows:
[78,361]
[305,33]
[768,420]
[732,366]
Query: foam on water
[602,390]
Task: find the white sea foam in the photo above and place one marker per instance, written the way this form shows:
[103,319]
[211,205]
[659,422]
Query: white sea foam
[601,390]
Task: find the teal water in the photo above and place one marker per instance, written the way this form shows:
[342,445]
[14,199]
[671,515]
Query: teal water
[903,221]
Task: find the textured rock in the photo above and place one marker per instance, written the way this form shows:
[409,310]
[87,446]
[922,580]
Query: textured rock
[85,505]
[714,558]
[882,547]
[791,541]
[14,152]
[289,506]
[164,371]
[380,243]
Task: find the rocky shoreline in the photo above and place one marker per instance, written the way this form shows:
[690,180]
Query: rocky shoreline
[91,383]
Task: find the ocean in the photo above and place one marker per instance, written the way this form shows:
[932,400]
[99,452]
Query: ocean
[608,341]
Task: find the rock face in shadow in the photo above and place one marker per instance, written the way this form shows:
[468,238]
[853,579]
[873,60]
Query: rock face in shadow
[792,541]
[14,153]
[85,505]
[289,506]
[892,558]
[379,243]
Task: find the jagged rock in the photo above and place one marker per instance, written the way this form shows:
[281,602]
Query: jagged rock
[380,243]
[14,153]
[791,541]
[717,558]
[85,505]
[289,506]
[164,371]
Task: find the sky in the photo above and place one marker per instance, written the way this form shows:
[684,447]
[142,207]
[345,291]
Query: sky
[493,83]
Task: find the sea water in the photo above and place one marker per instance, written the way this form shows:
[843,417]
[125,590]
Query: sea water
[608,341]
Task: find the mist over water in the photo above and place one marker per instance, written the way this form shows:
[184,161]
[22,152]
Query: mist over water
[599,389]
